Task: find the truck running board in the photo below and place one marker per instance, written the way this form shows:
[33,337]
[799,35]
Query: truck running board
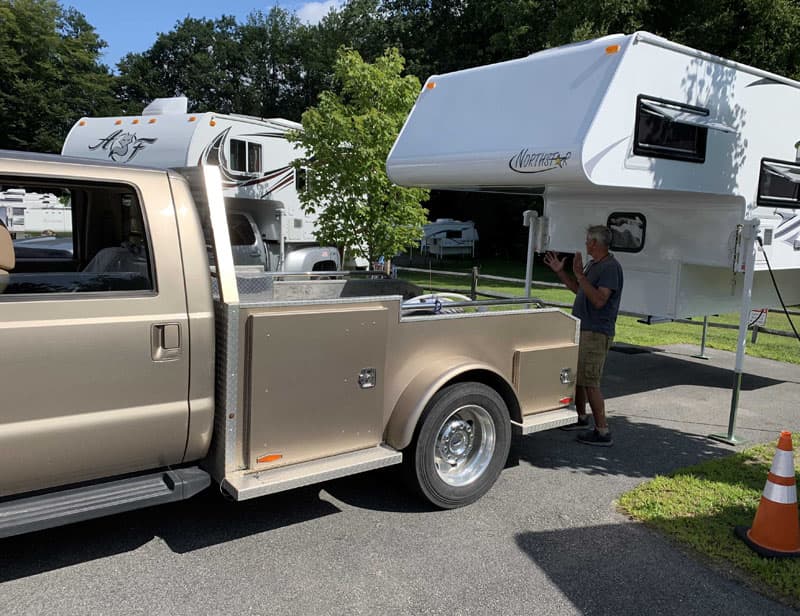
[545,421]
[243,485]
[26,514]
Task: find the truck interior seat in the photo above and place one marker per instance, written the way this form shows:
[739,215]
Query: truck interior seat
[7,260]
[126,258]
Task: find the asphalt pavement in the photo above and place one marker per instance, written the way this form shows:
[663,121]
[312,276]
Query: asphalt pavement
[547,539]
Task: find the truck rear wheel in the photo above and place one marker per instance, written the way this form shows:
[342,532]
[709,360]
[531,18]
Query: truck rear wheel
[460,445]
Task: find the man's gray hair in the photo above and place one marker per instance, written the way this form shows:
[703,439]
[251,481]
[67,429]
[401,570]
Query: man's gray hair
[600,233]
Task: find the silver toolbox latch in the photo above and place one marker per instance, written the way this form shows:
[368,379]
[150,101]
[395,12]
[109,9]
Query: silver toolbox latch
[368,378]
[566,376]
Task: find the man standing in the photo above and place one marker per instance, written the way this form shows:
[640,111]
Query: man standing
[598,289]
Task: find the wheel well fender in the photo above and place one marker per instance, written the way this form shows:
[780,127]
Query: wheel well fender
[419,391]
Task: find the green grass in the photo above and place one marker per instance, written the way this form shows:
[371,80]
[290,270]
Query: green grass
[699,507]
[629,330]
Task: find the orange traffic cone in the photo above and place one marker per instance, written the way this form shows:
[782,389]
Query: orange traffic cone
[776,528]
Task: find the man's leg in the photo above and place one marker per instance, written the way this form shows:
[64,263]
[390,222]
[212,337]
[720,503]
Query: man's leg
[598,406]
[580,401]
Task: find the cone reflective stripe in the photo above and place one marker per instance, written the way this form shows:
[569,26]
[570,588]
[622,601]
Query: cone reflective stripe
[776,528]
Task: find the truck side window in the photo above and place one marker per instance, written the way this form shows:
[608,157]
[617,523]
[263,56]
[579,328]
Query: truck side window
[75,237]
[240,230]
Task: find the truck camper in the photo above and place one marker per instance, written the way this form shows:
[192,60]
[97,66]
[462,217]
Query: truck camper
[445,237]
[691,159]
[260,185]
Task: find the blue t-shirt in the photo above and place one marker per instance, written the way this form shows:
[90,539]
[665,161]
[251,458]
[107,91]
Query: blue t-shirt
[604,273]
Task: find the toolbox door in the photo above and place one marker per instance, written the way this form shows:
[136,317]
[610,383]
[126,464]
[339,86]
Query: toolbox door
[315,382]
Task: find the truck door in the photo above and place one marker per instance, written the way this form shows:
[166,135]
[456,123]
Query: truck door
[94,338]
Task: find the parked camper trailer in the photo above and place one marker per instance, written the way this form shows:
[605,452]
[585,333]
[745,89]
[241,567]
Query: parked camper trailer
[30,212]
[261,187]
[446,237]
[686,156]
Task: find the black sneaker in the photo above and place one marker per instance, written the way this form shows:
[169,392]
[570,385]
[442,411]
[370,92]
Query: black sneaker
[593,437]
[580,424]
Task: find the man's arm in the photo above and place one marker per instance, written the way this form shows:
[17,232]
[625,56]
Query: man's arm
[557,265]
[597,296]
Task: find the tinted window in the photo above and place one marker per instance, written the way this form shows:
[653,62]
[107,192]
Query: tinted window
[76,237]
[627,231]
[779,184]
[238,155]
[658,136]
[240,230]
[254,157]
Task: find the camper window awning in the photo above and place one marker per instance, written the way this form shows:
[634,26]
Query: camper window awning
[791,174]
[684,116]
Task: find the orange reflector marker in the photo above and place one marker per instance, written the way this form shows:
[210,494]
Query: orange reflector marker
[273,457]
[192,118]
[212,123]
[565,400]
[136,121]
[118,122]
[430,85]
[82,123]
[612,49]
[151,121]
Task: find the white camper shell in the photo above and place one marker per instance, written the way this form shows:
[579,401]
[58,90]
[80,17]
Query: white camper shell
[253,155]
[683,154]
[446,237]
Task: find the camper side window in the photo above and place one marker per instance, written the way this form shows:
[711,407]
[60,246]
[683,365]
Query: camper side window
[627,231]
[779,184]
[238,155]
[254,157]
[665,129]
[245,156]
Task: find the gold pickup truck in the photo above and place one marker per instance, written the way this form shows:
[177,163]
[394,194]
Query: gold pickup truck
[136,373]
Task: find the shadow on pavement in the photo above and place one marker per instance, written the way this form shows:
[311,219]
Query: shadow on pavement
[640,450]
[629,371]
[621,569]
[202,521]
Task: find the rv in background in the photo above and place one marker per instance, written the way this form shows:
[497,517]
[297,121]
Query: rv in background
[268,226]
[446,237]
[29,212]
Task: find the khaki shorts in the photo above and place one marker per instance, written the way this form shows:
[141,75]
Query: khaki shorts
[592,353]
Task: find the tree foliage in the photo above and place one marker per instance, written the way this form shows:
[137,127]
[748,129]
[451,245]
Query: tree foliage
[347,138]
[51,74]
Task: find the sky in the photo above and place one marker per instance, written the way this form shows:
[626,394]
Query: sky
[133,27]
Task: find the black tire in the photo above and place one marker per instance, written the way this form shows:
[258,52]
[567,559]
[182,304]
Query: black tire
[460,445]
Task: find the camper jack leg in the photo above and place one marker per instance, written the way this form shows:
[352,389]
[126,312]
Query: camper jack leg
[702,353]
[749,232]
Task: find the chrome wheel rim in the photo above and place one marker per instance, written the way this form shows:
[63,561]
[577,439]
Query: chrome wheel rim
[464,445]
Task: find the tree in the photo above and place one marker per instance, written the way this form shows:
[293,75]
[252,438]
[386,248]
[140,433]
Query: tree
[200,59]
[51,74]
[347,138]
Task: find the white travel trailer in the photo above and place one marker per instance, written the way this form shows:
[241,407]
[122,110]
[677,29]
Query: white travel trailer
[446,237]
[267,222]
[685,155]
[26,212]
